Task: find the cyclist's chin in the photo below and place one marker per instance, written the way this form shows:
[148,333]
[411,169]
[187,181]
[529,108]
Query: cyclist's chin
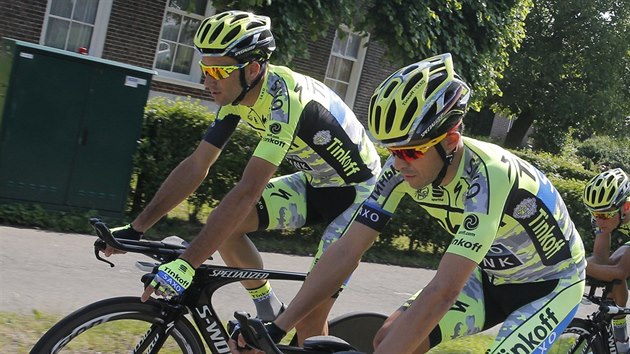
[416,182]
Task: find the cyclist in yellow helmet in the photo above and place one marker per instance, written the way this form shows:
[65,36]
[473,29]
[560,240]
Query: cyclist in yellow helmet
[515,257]
[607,197]
[300,121]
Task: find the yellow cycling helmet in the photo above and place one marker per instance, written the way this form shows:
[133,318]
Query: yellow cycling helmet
[609,189]
[420,101]
[238,34]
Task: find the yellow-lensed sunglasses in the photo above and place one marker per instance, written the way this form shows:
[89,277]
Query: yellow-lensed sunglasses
[605,215]
[220,72]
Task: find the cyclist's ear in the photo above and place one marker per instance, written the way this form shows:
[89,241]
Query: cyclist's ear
[452,139]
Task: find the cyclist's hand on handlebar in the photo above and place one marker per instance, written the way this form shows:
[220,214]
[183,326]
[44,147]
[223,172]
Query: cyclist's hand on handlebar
[241,348]
[126,232]
[172,279]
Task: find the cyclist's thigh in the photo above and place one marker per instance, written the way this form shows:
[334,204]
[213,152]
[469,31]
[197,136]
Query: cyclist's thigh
[336,206]
[532,328]
[467,316]
[283,203]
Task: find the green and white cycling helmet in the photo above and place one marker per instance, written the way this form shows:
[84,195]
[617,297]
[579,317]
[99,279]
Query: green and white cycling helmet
[608,190]
[238,34]
[418,102]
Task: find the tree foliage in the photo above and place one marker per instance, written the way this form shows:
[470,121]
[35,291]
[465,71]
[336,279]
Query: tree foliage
[480,34]
[571,74]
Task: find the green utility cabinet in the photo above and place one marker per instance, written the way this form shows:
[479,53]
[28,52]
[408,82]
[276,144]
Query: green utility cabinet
[69,127]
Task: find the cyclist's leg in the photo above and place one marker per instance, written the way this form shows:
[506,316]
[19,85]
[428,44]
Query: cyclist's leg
[621,259]
[466,316]
[281,206]
[533,327]
[337,206]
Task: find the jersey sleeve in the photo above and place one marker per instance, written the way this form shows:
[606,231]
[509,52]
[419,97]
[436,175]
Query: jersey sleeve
[282,126]
[220,131]
[379,207]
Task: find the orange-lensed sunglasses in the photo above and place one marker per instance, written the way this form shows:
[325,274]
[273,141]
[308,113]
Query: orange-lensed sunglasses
[412,153]
[220,72]
[604,214]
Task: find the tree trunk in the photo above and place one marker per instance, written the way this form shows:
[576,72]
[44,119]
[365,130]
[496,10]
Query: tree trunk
[519,129]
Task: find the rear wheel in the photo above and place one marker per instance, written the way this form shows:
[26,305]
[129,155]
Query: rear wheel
[115,326]
[357,328]
[578,338]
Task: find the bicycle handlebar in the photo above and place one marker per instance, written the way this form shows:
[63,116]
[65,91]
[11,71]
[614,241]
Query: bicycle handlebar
[157,250]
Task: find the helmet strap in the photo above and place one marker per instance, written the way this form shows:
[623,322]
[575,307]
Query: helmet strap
[245,86]
[446,162]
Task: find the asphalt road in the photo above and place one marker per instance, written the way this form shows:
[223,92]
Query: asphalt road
[57,273]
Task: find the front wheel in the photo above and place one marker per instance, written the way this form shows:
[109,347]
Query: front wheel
[579,338]
[118,325]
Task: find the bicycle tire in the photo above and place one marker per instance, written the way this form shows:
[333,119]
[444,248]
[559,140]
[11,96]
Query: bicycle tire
[357,328]
[579,338]
[115,325]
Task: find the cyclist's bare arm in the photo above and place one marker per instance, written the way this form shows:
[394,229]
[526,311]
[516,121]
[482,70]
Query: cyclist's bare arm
[224,220]
[181,182]
[601,249]
[413,326]
[335,265]
[610,271]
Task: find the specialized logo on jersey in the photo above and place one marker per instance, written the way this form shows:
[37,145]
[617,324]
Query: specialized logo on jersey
[298,163]
[500,257]
[322,137]
[471,222]
[541,226]
[525,209]
[275,128]
[422,193]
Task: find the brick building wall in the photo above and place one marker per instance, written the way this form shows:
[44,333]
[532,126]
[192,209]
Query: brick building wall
[22,20]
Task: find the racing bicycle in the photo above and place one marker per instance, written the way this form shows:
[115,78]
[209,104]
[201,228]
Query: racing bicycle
[594,334]
[164,325]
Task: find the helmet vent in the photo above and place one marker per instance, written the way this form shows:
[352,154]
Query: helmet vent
[391,116]
[231,35]
[390,88]
[411,83]
[240,17]
[434,82]
[410,112]
[377,117]
[254,25]
[215,33]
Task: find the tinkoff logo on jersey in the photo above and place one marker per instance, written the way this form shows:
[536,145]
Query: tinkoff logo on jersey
[342,156]
[541,226]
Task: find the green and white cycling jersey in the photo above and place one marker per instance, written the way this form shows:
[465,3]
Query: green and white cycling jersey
[302,121]
[504,214]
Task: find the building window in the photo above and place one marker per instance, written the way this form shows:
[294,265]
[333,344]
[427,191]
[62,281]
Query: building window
[76,25]
[345,64]
[176,56]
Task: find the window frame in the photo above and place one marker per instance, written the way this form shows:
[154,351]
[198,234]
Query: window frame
[194,78]
[97,42]
[357,66]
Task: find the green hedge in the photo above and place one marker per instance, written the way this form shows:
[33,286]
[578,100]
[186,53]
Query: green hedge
[173,129]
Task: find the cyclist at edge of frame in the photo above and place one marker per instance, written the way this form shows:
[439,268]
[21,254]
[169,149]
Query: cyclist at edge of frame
[516,257]
[607,198]
[300,121]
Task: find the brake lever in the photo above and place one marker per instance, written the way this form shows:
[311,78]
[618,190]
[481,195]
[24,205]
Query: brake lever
[99,245]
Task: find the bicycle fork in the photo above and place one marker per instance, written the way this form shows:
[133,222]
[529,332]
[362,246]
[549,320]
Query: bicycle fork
[153,340]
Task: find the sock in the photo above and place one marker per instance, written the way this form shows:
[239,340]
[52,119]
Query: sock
[268,306]
[621,333]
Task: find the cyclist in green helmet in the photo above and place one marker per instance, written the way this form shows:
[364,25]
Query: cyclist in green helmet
[607,198]
[515,257]
[299,121]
